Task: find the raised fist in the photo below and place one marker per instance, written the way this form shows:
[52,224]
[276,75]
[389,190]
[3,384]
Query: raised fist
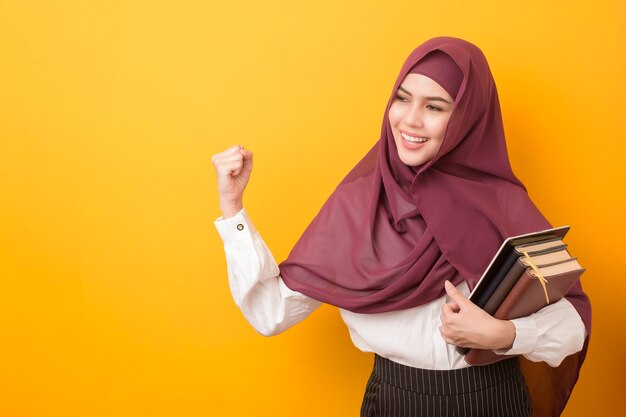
[233,168]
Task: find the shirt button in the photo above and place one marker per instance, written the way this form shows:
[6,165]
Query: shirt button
[240,226]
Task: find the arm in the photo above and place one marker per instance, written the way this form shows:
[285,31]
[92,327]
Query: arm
[254,278]
[548,335]
[266,302]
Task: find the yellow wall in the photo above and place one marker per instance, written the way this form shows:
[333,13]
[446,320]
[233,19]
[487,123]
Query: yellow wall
[114,297]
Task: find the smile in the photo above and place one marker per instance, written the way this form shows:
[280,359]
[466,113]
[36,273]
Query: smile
[413,139]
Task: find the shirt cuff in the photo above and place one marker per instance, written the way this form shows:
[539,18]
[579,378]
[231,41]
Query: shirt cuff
[236,228]
[525,337]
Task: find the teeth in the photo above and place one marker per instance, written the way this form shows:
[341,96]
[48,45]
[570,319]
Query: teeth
[412,139]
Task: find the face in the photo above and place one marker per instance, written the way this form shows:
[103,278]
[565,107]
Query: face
[418,116]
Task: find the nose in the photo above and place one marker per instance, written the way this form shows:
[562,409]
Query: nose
[414,116]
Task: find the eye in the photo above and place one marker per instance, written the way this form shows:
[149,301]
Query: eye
[433,108]
[401,99]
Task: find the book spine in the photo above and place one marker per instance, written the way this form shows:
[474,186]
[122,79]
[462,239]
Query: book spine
[514,296]
[509,280]
[482,298]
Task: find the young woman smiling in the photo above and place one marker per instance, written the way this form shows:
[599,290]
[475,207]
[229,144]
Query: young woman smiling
[418,118]
[401,241]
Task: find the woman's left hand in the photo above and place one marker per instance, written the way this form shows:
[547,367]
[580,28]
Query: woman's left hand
[465,324]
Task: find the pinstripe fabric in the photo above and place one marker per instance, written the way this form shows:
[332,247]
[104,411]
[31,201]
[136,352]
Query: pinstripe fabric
[396,390]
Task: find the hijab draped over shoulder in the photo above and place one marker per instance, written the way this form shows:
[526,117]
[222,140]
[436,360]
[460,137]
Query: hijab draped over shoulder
[390,234]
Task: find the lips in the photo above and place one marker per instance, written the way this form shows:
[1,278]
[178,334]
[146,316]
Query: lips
[413,138]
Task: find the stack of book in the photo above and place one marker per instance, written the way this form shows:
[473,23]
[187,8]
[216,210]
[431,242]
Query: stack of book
[527,273]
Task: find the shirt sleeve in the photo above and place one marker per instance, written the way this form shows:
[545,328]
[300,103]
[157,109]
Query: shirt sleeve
[255,281]
[549,335]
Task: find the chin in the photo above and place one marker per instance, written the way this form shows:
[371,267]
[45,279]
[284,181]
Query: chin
[411,160]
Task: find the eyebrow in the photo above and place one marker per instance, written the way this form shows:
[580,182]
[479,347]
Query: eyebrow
[433,98]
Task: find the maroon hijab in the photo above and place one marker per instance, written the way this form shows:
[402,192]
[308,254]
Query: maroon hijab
[390,234]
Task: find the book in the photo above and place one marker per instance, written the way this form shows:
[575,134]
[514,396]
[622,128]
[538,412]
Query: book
[504,267]
[527,273]
[543,253]
[504,259]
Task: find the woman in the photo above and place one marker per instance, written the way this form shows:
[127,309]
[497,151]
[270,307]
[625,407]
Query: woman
[400,243]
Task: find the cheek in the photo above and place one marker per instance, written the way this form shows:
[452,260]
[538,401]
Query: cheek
[441,126]
[395,115]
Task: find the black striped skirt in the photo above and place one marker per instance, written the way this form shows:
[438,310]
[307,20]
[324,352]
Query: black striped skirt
[396,390]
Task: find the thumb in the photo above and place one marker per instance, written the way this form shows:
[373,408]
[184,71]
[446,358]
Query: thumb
[247,160]
[246,153]
[455,294]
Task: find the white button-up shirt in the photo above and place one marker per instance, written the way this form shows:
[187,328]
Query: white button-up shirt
[410,337]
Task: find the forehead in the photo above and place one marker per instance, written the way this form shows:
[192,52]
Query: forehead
[421,85]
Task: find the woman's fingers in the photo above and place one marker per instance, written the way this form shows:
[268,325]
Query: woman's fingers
[233,161]
[455,294]
[231,154]
[230,151]
[233,167]
[470,326]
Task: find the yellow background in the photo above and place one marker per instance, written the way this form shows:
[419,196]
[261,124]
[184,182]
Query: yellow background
[114,296]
